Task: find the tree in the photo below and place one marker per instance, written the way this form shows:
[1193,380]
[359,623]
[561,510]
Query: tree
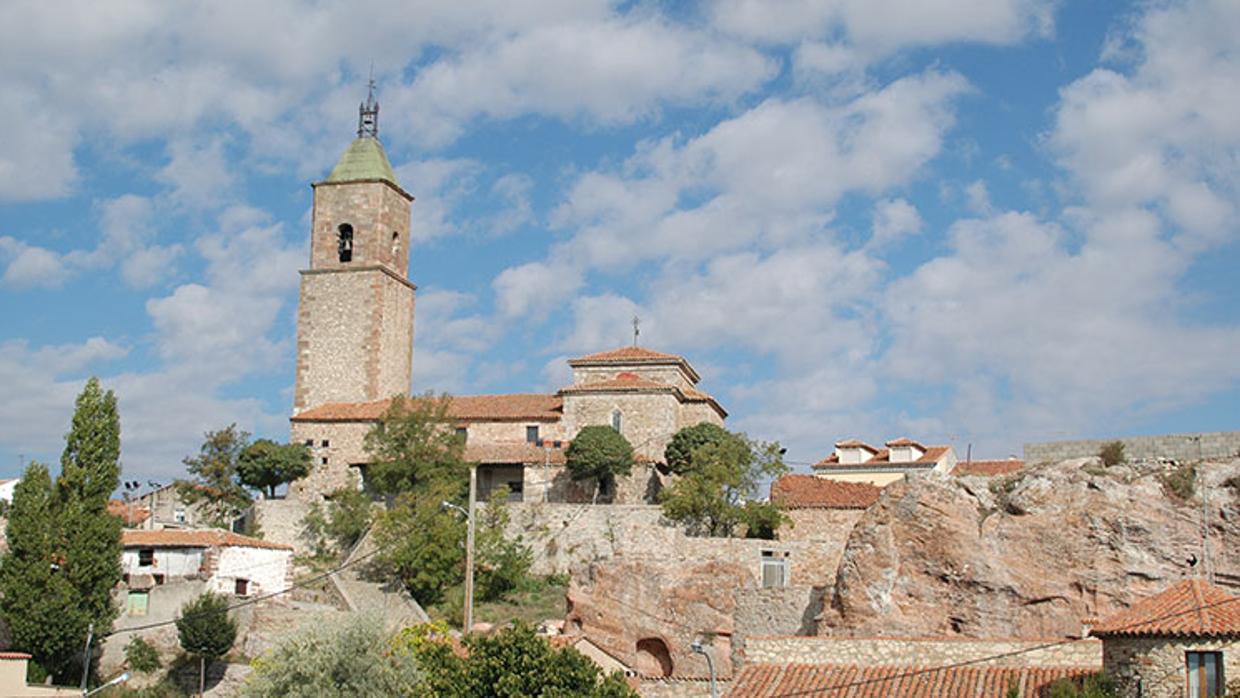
[679,452]
[206,631]
[265,465]
[35,598]
[512,663]
[142,656]
[503,563]
[421,544]
[414,443]
[215,485]
[601,453]
[354,658]
[65,548]
[341,523]
[711,499]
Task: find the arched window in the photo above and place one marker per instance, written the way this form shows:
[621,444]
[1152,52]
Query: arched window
[653,658]
[615,420]
[344,242]
[395,246]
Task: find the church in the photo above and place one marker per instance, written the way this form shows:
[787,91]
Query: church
[355,354]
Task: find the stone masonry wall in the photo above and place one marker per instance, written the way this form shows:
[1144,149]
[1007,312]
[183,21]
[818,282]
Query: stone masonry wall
[564,536]
[375,211]
[648,421]
[791,610]
[679,688]
[1157,667]
[922,652]
[345,448]
[1184,447]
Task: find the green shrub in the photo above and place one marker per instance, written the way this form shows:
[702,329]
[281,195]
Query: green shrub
[601,453]
[1112,453]
[1096,686]
[1181,482]
[142,656]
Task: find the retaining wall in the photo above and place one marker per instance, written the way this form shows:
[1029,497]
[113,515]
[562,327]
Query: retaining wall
[1185,447]
[883,651]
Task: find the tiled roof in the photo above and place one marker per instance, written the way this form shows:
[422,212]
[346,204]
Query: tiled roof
[987,468]
[855,443]
[515,407]
[194,538]
[904,441]
[623,382]
[882,458]
[1191,608]
[363,160]
[624,354]
[514,452]
[131,514]
[854,681]
[812,492]
[14,655]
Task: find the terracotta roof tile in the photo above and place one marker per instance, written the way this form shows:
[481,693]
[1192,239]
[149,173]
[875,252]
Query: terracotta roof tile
[855,681]
[624,382]
[515,452]
[904,441]
[1192,607]
[812,492]
[194,538]
[988,468]
[131,514]
[855,443]
[625,354]
[882,458]
[515,407]
[14,655]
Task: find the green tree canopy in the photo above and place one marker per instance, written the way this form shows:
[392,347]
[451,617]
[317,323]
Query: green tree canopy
[601,453]
[336,660]
[422,544]
[215,483]
[712,498]
[67,531]
[679,452]
[206,631]
[415,442]
[265,465]
[513,663]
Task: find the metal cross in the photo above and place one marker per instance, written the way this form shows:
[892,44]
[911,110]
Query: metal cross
[636,329]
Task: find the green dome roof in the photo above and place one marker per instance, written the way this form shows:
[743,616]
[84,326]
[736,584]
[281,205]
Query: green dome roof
[363,160]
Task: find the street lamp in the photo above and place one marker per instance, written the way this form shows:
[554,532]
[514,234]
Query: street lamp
[697,647]
[120,679]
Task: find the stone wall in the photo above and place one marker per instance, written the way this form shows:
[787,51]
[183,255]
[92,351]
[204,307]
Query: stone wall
[564,536]
[1157,667]
[280,521]
[345,448]
[1184,447]
[923,652]
[648,420]
[791,610]
[680,688]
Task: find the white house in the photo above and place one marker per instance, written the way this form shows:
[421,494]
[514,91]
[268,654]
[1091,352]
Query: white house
[6,489]
[857,461]
[229,563]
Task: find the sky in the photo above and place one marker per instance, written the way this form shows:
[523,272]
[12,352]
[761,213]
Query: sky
[976,222]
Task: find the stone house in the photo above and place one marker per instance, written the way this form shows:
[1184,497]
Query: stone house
[1181,642]
[355,348]
[856,461]
[227,562]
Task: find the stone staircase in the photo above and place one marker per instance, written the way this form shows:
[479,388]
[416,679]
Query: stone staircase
[388,600]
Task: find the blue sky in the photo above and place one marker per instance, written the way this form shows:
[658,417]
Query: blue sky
[971,221]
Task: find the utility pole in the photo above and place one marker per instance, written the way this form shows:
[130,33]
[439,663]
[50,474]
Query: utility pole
[469,548]
[90,635]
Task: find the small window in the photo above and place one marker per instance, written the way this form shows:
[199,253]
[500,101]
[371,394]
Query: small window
[159,579]
[309,443]
[1205,674]
[137,603]
[324,443]
[324,460]
[462,432]
[344,242]
[146,557]
[531,434]
[395,246]
[241,587]
[616,420]
[774,569]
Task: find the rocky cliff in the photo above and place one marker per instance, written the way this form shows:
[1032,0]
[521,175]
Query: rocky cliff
[1031,554]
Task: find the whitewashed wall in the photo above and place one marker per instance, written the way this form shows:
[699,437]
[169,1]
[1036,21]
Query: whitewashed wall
[173,562]
[266,569]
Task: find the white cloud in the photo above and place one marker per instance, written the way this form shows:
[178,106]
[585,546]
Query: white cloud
[30,266]
[894,219]
[534,287]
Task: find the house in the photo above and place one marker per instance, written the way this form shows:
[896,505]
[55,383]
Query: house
[13,679]
[857,461]
[6,489]
[225,562]
[989,468]
[131,515]
[1181,642]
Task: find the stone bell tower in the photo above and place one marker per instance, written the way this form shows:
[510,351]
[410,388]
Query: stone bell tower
[355,320]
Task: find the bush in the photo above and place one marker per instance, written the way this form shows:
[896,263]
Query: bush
[1112,453]
[353,658]
[142,656]
[1181,482]
[503,564]
[599,452]
[1097,686]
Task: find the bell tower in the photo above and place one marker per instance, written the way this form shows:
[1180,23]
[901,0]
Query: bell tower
[355,314]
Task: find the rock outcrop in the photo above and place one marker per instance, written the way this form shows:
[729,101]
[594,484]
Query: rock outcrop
[1031,554]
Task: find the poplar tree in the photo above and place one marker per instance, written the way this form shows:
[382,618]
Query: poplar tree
[64,555]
